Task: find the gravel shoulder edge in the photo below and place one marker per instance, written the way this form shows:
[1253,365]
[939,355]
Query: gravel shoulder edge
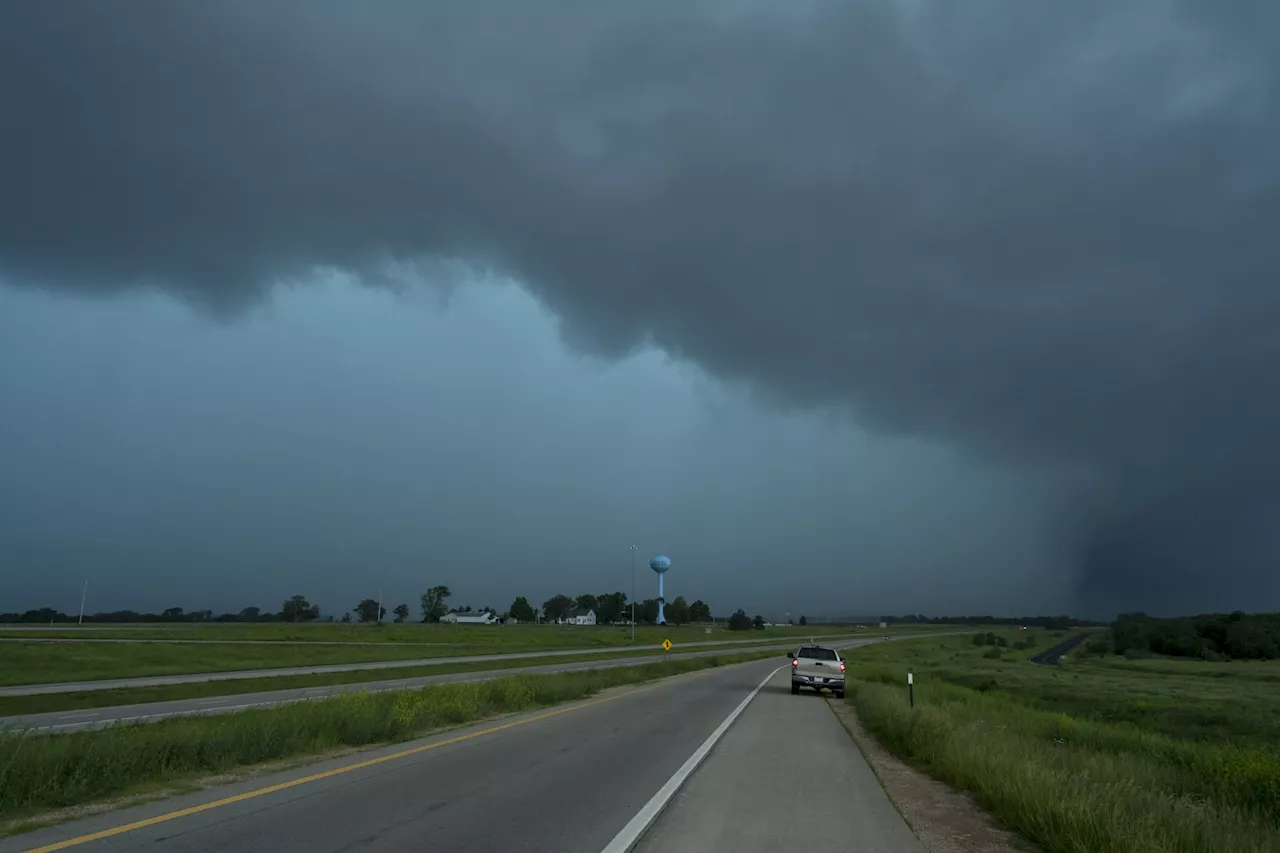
[945,820]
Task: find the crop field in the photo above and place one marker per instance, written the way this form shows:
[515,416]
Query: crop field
[1102,754]
[201,649]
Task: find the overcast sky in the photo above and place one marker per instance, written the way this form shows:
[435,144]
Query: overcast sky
[849,307]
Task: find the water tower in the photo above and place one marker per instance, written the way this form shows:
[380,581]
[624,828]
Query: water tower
[660,564]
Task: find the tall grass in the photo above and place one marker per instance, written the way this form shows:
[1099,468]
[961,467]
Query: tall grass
[1065,781]
[42,771]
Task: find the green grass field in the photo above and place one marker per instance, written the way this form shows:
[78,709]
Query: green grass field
[50,662]
[42,772]
[1103,755]
[44,663]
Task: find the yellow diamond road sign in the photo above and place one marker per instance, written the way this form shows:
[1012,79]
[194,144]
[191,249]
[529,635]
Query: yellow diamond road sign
[666,645]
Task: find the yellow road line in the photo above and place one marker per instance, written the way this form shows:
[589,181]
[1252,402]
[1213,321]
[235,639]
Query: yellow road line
[315,777]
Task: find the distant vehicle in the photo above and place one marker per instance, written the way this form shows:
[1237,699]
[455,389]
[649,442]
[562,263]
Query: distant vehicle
[818,667]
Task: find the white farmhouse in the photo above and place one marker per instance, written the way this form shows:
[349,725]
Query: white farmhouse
[579,617]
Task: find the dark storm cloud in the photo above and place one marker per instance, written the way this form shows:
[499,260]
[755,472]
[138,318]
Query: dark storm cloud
[339,437]
[1042,231]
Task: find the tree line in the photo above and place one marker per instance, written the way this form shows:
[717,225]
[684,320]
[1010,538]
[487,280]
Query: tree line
[294,609]
[1209,636]
[613,607]
[610,608]
[1053,623]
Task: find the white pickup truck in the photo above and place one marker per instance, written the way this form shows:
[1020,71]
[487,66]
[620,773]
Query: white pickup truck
[818,667]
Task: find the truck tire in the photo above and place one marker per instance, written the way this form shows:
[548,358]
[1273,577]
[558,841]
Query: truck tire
[795,689]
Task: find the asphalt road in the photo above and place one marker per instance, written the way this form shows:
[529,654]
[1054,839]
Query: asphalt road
[1053,656]
[61,721]
[589,777]
[233,675]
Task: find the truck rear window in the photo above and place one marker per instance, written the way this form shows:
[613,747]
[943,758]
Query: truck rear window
[818,654]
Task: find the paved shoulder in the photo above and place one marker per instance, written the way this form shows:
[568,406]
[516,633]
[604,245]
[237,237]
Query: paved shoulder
[787,776]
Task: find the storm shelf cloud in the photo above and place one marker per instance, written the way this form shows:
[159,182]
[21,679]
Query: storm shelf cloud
[1037,238]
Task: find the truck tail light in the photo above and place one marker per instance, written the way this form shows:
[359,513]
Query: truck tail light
[842,666]
[795,661]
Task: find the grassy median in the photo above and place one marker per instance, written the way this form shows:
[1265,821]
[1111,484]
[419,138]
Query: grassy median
[49,663]
[43,772]
[1097,755]
[42,703]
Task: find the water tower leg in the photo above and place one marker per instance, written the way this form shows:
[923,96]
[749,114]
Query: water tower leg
[661,619]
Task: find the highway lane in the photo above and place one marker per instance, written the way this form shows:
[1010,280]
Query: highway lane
[60,721]
[580,778]
[233,675]
[1054,656]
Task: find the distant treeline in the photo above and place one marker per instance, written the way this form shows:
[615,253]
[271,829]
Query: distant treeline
[1210,636]
[293,611]
[609,608]
[1051,622]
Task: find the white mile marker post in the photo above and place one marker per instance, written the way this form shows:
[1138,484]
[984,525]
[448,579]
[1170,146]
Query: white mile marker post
[911,689]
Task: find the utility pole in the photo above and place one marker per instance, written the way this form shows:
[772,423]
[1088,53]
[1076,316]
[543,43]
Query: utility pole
[83,593]
[633,594]
[379,619]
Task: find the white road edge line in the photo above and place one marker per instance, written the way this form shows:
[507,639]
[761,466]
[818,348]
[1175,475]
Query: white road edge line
[638,825]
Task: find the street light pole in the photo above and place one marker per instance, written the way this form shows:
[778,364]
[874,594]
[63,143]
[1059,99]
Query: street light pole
[84,592]
[633,594]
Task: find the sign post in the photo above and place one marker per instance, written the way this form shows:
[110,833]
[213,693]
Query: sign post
[911,689]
